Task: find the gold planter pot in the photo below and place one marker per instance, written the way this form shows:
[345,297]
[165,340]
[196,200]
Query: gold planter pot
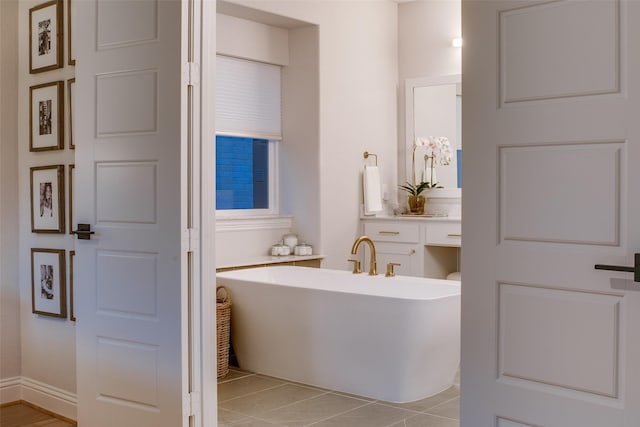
[416,204]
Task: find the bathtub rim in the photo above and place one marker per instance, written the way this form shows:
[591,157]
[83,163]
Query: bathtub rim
[453,287]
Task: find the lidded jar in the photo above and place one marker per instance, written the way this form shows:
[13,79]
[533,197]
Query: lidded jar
[280,249]
[303,249]
[290,240]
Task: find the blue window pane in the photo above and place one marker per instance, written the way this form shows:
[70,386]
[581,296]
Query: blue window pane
[242,173]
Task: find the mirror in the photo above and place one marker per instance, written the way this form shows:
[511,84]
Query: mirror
[434,108]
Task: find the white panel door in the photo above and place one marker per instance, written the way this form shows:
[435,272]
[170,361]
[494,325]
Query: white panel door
[128,186]
[552,142]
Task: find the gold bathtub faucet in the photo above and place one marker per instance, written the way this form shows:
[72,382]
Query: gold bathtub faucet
[372,263]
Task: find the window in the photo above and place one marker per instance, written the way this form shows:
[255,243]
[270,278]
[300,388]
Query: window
[248,128]
[242,173]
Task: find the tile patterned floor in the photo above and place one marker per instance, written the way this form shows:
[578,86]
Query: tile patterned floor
[251,400]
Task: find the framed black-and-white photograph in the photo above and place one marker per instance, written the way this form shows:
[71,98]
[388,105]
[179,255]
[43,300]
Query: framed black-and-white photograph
[47,199]
[46,117]
[45,37]
[72,172]
[72,315]
[48,296]
[71,84]
[70,55]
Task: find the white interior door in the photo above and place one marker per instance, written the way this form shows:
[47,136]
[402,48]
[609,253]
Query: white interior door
[552,145]
[128,297]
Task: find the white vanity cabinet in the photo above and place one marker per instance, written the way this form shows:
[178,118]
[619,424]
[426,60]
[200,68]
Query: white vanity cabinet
[424,247]
[397,242]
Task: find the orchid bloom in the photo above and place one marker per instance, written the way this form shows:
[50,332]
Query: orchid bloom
[439,146]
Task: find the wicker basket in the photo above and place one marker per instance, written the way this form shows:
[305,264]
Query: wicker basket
[223,329]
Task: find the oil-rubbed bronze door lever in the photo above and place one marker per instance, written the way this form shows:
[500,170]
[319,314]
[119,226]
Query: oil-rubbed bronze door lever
[635,269]
[83,232]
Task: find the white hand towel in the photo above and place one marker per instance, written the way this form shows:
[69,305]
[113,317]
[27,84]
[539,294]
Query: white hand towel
[372,192]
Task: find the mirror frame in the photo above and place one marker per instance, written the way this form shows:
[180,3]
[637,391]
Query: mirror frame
[410,86]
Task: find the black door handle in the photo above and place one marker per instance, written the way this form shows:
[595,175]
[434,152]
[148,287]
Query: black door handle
[635,269]
[83,232]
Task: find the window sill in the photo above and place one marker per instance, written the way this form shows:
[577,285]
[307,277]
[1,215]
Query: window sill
[254,223]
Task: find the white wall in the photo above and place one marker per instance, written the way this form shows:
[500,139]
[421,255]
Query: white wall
[426,29]
[243,38]
[48,343]
[10,366]
[300,169]
[357,110]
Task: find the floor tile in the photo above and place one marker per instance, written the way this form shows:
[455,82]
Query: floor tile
[426,420]
[248,422]
[449,409]
[355,396]
[312,410]
[251,400]
[428,403]
[273,398]
[233,374]
[371,415]
[226,417]
[245,385]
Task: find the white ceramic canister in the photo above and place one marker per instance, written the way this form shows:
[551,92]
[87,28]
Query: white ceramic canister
[290,240]
[303,249]
[280,249]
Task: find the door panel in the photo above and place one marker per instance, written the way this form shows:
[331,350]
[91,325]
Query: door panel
[550,104]
[541,335]
[128,162]
[539,197]
[553,40]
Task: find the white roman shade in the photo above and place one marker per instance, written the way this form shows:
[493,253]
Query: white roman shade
[247,98]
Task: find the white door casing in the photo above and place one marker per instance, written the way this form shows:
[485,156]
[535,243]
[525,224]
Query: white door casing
[129,293]
[551,101]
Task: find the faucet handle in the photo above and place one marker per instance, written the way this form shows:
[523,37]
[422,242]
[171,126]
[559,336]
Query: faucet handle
[356,266]
[390,272]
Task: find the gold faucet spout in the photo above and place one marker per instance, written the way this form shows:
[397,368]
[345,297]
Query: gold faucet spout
[372,263]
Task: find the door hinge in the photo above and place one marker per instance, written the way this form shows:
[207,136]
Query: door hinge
[192,73]
[192,402]
[191,239]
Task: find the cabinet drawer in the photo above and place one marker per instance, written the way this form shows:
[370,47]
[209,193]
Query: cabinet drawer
[408,255]
[392,232]
[443,234]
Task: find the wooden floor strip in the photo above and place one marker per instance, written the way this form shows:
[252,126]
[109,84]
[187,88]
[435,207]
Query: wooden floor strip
[24,414]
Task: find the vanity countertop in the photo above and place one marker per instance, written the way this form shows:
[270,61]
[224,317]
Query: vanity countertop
[269,260]
[409,217]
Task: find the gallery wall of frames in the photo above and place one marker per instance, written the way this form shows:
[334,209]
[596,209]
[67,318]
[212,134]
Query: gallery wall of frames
[51,181]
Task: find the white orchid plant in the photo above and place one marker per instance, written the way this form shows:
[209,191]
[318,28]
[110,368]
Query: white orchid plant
[440,154]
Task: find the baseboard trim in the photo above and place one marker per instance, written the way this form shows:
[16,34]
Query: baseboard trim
[43,396]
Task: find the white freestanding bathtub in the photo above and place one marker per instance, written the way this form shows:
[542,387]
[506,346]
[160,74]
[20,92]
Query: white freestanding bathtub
[395,339]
